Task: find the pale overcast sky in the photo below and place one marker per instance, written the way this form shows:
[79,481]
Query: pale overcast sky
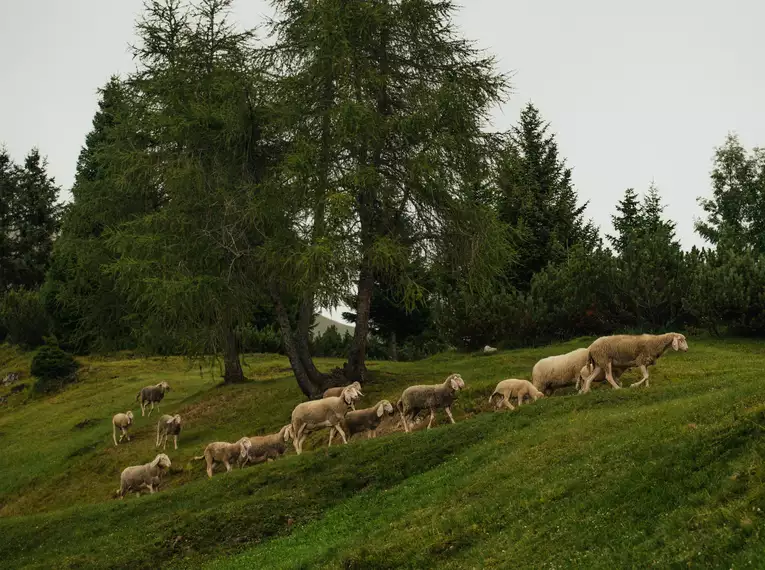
[636,91]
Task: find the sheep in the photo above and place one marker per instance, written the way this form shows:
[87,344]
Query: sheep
[327,412]
[224,452]
[558,371]
[628,351]
[168,425]
[367,420]
[587,369]
[267,447]
[429,397]
[512,388]
[336,391]
[152,395]
[123,422]
[149,475]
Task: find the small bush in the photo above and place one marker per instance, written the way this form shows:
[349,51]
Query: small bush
[53,368]
[23,318]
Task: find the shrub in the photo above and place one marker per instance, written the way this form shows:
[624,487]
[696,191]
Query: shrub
[267,339]
[53,368]
[23,318]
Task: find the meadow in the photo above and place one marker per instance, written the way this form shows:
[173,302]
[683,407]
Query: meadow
[668,476]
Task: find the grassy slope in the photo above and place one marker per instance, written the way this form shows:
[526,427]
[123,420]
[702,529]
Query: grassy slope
[667,476]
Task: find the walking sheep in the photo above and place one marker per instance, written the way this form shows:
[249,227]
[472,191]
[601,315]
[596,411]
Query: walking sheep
[152,395]
[367,420]
[226,453]
[168,425]
[512,388]
[629,350]
[267,447]
[430,397]
[147,476]
[337,390]
[317,414]
[123,422]
[562,370]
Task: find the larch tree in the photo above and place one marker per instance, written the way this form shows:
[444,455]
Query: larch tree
[387,108]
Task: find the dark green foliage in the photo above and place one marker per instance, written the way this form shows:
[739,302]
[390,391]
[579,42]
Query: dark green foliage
[264,339]
[331,343]
[736,211]
[29,219]
[53,368]
[537,200]
[23,318]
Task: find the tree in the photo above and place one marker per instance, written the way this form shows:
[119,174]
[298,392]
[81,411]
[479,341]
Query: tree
[195,263]
[386,107]
[626,222]
[29,220]
[536,198]
[736,211]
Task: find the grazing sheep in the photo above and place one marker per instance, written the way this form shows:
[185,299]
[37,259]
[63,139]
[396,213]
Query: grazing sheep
[149,475]
[429,397]
[224,452]
[317,414]
[267,447]
[367,420]
[336,391]
[152,395]
[123,422]
[168,425]
[512,388]
[644,350]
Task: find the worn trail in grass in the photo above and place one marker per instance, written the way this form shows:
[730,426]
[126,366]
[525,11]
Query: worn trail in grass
[663,477]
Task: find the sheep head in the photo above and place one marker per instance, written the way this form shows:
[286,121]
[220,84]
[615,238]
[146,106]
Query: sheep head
[162,461]
[176,420]
[286,432]
[351,393]
[384,407]
[129,415]
[679,342]
[165,386]
[456,382]
[245,444]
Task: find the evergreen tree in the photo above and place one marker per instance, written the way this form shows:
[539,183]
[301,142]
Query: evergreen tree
[536,198]
[626,222]
[736,211]
[7,195]
[386,108]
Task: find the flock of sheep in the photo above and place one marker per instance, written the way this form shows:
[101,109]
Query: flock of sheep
[606,359]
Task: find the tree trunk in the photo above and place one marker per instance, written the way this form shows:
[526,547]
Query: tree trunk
[232,371]
[392,350]
[318,379]
[356,369]
[307,386]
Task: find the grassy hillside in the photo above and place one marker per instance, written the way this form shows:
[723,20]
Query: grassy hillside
[662,477]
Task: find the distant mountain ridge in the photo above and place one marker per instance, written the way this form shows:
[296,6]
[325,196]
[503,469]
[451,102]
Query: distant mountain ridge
[323,323]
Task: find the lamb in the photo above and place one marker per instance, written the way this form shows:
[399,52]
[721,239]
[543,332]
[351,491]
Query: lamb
[168,425]
[149,475]
[429,397]
[629,350]
[317,414]
[336,391]
[226,453]
[512,388]
[152,395]
[367,420]
[267,447]
[123,422]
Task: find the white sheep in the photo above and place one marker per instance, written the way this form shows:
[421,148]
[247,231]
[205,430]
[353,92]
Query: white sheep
[429,397]
[268,447]
[368,420]
[152,395]
[627,351]
[317,414]
[148,476]
[123,422]
[513,388]
[226,453]
[554,372]
[168,425]
[337,390]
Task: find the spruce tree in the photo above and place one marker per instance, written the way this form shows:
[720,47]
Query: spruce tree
[537,200]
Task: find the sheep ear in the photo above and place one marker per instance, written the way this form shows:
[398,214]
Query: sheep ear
[675,344]
[380,410]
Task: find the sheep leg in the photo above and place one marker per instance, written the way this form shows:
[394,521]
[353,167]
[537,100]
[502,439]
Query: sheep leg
[432,415]
[449,413]
[175,441]
[228,466]
[520,400]
[644,370]
[403,419]
[610,376]
[342,434]
[506,403]
[331,435]
[209,469]
[586,383]
[114,434]
[296,441]
[152,409]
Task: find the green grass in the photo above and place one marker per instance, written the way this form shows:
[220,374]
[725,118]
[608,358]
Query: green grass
[669,476]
